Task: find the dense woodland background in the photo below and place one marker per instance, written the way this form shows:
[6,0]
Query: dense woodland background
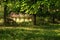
[43,11]
[29,19]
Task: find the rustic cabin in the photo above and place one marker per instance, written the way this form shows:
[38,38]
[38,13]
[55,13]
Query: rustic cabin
[20,17]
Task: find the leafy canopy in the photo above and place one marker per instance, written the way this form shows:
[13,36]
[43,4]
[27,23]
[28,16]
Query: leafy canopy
[32,6]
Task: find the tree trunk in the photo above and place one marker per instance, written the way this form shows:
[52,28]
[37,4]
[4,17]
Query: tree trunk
[34,19]
[53,18]
[5,14]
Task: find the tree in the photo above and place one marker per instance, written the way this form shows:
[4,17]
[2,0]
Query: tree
[54,7]
[5,11]
[33,7]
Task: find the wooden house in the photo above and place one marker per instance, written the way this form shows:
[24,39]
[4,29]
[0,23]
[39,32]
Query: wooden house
[20,17]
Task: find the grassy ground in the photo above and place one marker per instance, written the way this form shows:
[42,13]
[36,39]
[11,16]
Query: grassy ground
[29,33]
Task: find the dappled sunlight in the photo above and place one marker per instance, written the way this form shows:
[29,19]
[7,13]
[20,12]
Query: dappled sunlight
[14,19]
[21,20]
[9,5]
[28,33]
[17,20]
[26,20]
[1,20]
[57,30]
[29,20]
[25,28]
[58,34]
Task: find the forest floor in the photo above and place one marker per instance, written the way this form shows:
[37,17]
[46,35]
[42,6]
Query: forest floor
[30,33]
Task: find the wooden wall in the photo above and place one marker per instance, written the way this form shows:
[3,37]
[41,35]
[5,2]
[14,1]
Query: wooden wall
[20,17]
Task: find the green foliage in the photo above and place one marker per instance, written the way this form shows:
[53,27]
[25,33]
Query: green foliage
[23,33]
[32,6]
[45,8]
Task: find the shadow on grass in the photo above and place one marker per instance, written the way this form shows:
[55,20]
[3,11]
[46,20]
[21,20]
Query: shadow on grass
[53,26]
[21,34]
[46,26]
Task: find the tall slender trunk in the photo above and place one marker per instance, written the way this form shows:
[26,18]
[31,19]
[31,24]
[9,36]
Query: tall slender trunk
[5,14]
[53,18]
[34,19]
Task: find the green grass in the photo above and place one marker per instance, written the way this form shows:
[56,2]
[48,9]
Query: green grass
[29,33]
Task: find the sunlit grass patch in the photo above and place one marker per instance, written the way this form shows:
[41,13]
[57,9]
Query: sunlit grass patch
[28,33]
